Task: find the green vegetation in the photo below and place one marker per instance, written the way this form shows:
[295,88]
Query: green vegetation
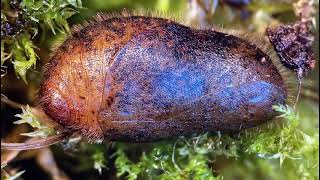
[277,150]
[20,24]
[27,117]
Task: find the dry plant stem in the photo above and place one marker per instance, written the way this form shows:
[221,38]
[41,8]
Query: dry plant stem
[14,135]
[8,156]
[34,144]
[203,6]
[308,94]
[298,93]
[46,160]
[12,103]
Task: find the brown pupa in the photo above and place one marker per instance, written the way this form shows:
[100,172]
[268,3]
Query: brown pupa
[139,79]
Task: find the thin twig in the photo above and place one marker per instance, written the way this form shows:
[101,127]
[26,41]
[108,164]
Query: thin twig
[173,156]
[34,144]
[299,74]
[46,160]
[11,103]
[8,156]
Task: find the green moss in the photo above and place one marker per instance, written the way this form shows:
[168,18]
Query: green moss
[270,151]
[18,32]
[24,56]
[41,129]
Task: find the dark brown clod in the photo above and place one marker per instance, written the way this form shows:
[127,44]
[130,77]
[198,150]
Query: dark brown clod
[293,44]
[142,79]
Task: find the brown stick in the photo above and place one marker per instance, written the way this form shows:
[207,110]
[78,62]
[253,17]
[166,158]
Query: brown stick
[46,160]
[34,144]
[12,103]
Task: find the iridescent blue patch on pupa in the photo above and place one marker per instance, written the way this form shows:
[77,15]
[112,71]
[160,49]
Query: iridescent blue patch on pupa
[256,93]
[180,85]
